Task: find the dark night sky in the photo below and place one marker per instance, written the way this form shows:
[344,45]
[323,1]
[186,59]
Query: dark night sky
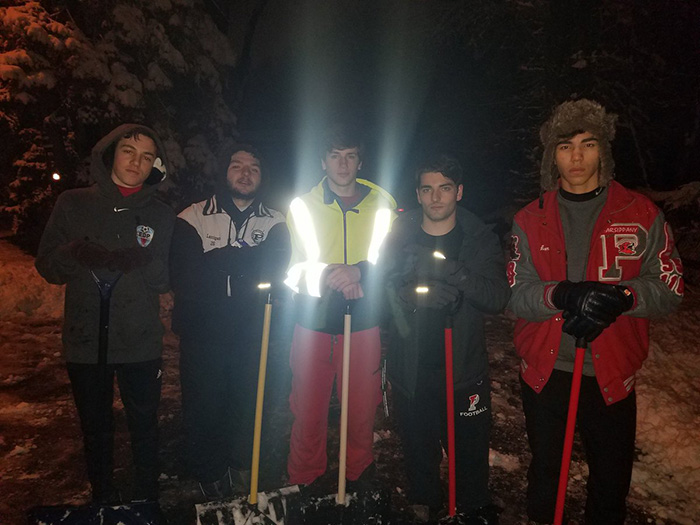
[462,86]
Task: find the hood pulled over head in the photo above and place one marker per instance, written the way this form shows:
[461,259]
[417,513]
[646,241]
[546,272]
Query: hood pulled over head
[103,155]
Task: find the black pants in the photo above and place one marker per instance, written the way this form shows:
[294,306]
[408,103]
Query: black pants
[139,386]
[219,383]
[608,434]
[423,427]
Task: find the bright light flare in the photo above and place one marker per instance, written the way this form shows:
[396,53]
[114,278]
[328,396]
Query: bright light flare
[264,286]
[56,176]
[439,255]
[422,289]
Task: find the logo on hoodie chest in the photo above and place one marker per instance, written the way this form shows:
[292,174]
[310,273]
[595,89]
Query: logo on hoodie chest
[144,235]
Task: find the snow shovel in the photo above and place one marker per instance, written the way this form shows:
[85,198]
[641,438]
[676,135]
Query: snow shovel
[257,507]
[138,513]
[362,508]
[289,506]
[570,426]
[342,456]
[450,391]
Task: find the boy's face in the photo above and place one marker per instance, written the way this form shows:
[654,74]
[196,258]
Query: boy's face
[244,175]
[341,167]
[133,161]
[578,162]
[438,196]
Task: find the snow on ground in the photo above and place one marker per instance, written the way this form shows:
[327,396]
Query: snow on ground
[666,478]
[35,403]
[23,292]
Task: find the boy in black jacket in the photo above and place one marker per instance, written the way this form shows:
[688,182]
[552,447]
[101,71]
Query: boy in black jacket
[442,262]
[116,228]
[223,247]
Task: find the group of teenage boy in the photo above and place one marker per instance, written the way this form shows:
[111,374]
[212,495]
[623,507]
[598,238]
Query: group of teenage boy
[590,263]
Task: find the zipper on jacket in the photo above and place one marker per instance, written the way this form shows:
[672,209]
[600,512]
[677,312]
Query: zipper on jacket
[345,237]
[345,231]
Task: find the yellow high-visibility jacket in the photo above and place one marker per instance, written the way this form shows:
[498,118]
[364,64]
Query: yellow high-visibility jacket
[324,232]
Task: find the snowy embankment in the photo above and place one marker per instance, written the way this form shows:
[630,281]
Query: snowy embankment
[666,477]
[23,292]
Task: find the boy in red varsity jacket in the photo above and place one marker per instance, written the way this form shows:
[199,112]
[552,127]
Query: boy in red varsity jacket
[590,261]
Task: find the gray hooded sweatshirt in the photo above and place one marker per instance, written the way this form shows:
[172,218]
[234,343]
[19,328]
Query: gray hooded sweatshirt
[101,214]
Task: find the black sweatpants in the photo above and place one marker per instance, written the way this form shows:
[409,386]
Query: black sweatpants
[139,386]
[422,423]
[219,384]
[608,434]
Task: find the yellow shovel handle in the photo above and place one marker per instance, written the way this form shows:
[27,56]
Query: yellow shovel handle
[255,467]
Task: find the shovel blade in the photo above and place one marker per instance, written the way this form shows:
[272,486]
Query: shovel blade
[147,513]
[271,509]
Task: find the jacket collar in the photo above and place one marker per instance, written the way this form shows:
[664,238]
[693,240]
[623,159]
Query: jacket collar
[618,199]
[329,196]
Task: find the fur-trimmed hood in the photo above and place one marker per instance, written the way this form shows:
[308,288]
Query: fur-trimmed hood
[567,119]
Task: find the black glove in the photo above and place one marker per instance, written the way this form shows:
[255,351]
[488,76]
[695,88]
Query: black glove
[427,265]
[92,255]
[438,295]
[590,306]
[129,259]
[568,296]
[604,302]
[228,258]
[582,327]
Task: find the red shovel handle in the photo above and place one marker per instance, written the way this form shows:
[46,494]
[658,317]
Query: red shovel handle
[449,382]
[569,435]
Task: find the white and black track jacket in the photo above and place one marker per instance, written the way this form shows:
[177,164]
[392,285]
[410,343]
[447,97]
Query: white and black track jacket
[218,257]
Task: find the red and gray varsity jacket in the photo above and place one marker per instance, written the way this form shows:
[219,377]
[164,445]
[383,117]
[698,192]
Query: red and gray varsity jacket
[632,245]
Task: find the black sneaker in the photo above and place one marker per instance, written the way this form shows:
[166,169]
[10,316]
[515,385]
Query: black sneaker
[366,482]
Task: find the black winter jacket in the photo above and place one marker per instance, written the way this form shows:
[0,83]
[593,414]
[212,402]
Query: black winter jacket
[485,290]
[101,214]
[216,266]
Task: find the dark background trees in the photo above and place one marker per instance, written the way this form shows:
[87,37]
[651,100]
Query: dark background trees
[472,78]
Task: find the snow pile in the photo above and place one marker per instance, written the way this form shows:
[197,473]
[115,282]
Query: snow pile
[666,477]
[22,290]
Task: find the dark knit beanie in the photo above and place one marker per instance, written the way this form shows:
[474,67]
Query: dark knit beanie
[568,119]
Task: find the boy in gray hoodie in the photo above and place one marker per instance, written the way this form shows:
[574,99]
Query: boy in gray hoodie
[114,231]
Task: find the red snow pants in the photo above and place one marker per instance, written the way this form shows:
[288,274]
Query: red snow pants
[316,359]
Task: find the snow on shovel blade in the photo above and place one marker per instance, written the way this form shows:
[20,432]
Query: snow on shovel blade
[368,507]
[270,509]
[146,513]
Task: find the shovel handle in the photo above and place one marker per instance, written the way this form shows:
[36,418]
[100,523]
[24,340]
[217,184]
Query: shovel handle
[450,392]
[570,427]
[257,432]
[342,458]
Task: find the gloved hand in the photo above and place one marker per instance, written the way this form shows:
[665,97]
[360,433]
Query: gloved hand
[439,295]
[228,258]
[567,296]
[582,327]
[428,265]
[91,255]
[129,259]
[590,307]
[603,302]
[618,299]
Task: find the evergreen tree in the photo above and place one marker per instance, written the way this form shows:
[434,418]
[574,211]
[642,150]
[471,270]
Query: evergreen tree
[68,76]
